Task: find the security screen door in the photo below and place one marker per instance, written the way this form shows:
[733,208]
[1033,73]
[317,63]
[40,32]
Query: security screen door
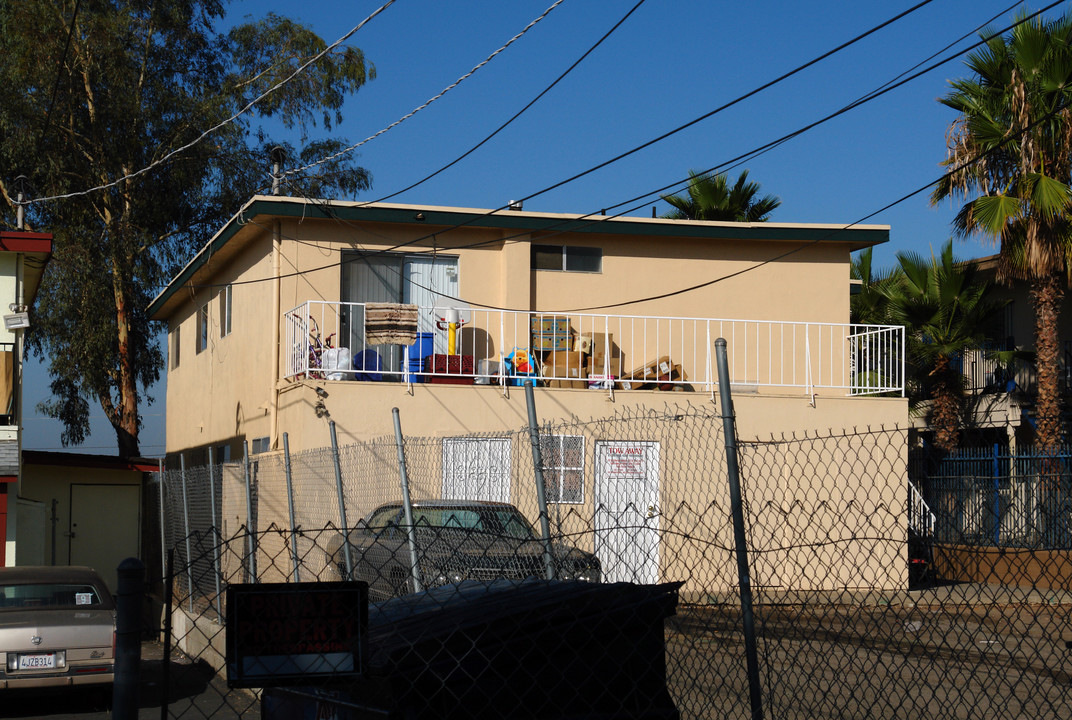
[476,469]
[627,511]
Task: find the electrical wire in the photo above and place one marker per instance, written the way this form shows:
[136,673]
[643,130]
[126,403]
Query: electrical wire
[520,112]
[222,123]
[573,222]
[431,100]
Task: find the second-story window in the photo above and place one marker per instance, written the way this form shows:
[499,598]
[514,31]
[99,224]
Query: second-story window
[225,311]
[173,349]
[567,258]
[202,328]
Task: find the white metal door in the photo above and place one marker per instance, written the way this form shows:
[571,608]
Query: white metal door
[627,511]
[476,469]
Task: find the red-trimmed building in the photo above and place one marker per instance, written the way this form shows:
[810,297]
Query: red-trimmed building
[23,256]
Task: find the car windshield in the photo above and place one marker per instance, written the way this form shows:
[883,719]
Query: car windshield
[50,596]
[506,521]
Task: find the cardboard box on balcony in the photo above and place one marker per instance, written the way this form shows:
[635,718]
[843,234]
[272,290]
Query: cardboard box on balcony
[609,367]
[551,333]
[648,374]
[596,345]
[565,369]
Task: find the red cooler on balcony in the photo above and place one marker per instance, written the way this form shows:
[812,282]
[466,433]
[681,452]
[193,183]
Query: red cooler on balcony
[449,369]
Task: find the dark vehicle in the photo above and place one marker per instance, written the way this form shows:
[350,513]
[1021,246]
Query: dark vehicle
[57,627]
[454,541]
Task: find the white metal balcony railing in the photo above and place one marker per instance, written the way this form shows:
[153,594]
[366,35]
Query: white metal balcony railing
[328,340]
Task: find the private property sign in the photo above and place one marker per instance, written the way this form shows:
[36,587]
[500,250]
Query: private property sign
[294,633]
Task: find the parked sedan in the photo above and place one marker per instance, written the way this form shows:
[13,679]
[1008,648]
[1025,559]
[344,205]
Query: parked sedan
[57,627]
[453,541]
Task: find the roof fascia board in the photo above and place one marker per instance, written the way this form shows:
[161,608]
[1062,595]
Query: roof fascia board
[854,236]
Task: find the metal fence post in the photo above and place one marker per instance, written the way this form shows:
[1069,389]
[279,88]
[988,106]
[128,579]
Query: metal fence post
[290,506]
[129,591]
[541,490]
[215,530]
[186,528]
[407,505]
[251,566]
[163,531]
[995,471]
[165,668]
[739,540]
[342,500]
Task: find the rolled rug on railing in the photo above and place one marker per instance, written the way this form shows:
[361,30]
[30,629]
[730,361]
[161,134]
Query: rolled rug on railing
[390,324]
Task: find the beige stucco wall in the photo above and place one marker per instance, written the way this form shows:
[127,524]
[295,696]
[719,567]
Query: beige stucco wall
[224,394]
[45,483]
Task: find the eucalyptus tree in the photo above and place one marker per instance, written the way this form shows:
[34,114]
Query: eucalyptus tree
[710,197]
[1010,158]
[946,310]
[129,119]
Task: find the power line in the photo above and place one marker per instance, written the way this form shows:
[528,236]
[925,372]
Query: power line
[705,116]
[431,100]
[222,123]
[520,112]
[326,207]
[867,98]
[572,223]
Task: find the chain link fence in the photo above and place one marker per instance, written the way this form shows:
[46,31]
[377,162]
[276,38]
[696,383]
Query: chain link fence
[859,610]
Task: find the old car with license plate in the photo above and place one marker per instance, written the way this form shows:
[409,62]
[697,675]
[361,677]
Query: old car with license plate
[57,627]
[453,541]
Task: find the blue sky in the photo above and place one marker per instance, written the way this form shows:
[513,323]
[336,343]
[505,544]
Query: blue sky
[668,64]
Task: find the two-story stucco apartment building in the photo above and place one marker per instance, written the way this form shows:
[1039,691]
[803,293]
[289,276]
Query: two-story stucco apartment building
[583,299]
[301,312]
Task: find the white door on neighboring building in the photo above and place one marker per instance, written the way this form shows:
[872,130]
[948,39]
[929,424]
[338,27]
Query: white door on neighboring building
[627,511]
[104,527]
[476,469]
[31,532]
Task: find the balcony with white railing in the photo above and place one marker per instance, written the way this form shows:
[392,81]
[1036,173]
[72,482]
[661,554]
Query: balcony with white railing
[382,343]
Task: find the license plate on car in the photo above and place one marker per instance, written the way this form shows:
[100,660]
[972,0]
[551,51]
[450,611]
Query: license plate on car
[39,661]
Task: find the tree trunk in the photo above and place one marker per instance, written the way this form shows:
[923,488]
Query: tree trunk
[1047,293]
[945,408]
[125,417]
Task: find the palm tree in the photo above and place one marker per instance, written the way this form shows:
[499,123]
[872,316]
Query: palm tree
[867,303]
[1010,154]
[711,198]
[946,310]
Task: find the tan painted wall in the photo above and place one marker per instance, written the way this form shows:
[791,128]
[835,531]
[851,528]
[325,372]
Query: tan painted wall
[224,394]
[43,483]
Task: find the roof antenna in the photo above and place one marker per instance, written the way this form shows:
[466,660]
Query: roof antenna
[20,202]
[278,156]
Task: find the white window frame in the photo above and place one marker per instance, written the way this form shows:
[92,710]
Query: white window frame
[476,469]
[226,297]
[555,469]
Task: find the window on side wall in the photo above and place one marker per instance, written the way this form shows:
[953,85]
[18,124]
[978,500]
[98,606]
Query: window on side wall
[567,258]
[476,469]
[259,445]
[563,468]
[202,328]
[173,348]
[225,311]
